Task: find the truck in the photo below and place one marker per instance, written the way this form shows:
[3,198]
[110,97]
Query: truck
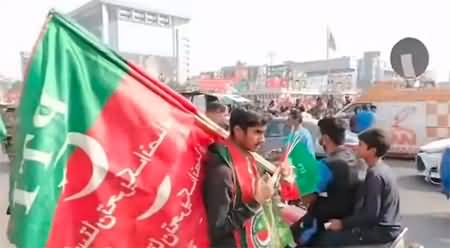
[412,116]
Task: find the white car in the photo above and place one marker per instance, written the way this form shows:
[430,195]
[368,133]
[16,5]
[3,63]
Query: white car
[428,160]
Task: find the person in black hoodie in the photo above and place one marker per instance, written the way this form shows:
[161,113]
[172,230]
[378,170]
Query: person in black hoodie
[341,174]
[376,218]
[345,172]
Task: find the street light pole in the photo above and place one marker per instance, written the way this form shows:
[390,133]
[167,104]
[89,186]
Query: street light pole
[271,56]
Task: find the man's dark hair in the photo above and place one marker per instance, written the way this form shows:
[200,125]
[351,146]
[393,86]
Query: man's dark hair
[245,119]
[296,115]
[365,107]
[302,108]
[376,138]
[334,128]
[373,108]
[216,107]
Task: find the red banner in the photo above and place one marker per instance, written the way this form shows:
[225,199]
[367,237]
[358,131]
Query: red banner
[277,82]
[150,197]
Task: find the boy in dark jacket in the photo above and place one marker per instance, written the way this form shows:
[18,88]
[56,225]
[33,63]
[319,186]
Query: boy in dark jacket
[376,219]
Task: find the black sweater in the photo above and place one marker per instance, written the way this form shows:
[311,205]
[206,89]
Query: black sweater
[378,205]
[347,176]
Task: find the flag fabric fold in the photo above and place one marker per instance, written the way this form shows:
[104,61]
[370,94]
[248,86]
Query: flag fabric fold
[305,167]
[3,131]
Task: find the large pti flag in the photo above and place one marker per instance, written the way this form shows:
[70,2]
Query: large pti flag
[107,157]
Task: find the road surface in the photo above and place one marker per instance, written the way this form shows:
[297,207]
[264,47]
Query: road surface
[425,211]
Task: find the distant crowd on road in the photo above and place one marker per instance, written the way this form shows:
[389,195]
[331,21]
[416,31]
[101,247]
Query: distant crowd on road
[321,107]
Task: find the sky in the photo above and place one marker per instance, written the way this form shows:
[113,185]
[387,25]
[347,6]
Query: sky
[223,32]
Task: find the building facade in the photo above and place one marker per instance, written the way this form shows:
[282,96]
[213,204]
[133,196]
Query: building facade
[156,40]
[369,69]
[337,74]
[372,68]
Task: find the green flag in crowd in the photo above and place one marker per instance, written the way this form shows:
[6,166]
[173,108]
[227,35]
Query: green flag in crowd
[305,166]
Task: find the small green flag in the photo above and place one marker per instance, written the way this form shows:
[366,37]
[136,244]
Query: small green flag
[3,132]
[305,168]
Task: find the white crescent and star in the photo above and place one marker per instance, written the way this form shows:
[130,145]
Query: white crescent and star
[99,161]
[100,167]
[162,196]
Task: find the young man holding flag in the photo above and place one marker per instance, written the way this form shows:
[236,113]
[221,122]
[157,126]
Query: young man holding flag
[340,176]
[234,191]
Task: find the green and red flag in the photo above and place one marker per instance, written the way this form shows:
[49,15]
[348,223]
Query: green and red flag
[3,131]
[107,156]
[304,164]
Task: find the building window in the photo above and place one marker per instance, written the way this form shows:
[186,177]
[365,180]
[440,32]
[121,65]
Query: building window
[150,18]
[164,20]
[124,14]
[138,16]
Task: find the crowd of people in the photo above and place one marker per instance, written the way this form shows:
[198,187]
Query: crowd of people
[362,118]
[356,201]
[321,107]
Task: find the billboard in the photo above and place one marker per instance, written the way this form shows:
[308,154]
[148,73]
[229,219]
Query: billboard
[343,81]
[333,81]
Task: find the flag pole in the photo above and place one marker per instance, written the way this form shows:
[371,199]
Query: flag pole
[328,58]
[170,95]
[328,43]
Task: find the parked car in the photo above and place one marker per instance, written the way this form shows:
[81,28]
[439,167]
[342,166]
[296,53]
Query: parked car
[278,130]
[428,160]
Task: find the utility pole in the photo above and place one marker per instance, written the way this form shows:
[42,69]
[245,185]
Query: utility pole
[271,55]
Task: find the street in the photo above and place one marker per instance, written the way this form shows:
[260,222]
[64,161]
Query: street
[425,211]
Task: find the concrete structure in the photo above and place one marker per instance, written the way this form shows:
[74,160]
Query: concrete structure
[154,39]
[183,54]
[372,68]
[445,84]
[24,60]
[368,69]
